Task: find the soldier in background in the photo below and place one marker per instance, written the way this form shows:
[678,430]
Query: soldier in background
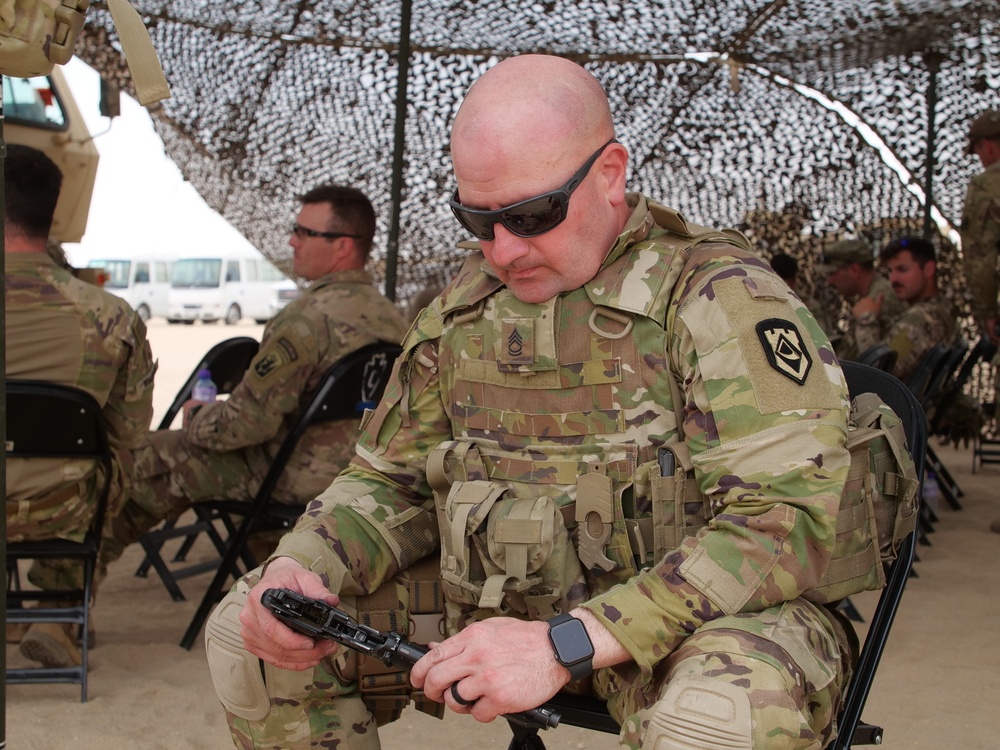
[929,318]
[63,330]
[225,448]
[525,417]
[981,228]
[849,267]
[788,269]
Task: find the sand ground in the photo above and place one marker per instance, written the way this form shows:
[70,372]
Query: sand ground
[939,677]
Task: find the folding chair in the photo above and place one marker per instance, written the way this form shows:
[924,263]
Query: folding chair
[353,384]
[880,356]
[228,361]
[591,713]
[34,408]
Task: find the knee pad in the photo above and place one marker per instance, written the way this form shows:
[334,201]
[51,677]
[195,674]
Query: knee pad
[236,673]
[697,713]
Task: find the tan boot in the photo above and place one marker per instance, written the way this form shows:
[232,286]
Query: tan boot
[52,644]
[16,631]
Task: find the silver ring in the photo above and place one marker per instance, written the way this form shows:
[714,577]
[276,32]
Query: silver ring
[458,698]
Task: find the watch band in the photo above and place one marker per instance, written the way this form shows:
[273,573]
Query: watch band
[571,645]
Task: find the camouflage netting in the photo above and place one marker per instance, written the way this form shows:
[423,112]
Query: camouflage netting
[271,98]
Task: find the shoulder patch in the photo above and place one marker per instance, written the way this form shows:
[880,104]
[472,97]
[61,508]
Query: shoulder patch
[785,348]
[267,364]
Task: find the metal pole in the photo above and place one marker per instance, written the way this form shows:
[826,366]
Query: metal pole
[932,60]
[399,148]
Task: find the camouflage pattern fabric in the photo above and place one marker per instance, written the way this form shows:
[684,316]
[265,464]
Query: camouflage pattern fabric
[227,448]
[981,240]
[892,307]
[914,333]
[581,386]
[63,330]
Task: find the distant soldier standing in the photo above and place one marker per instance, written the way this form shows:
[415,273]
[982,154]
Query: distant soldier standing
[981,222]
[981,226]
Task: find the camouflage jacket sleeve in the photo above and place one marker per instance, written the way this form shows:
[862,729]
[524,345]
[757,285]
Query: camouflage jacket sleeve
[348,532]
[981,240]
[916,332]
[767,441]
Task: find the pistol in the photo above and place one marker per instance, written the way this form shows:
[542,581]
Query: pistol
[317,619]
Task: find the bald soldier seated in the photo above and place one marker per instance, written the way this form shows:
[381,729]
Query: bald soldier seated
[226,447]
[521,447]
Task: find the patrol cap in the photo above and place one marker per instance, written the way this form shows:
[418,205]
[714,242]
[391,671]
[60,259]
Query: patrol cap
[843,253]
[987,125]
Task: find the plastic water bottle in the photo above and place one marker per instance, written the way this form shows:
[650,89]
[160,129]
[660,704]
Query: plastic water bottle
[204,389]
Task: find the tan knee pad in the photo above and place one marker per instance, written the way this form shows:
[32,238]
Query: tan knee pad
[236,673]
[698,713]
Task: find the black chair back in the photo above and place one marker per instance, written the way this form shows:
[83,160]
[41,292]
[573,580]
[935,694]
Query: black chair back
[228,360]
[880,356]
[45,420]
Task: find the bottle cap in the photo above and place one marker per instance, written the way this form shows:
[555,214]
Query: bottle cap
[204,373]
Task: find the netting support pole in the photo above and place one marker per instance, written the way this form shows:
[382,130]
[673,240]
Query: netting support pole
[932,60]
[399,149]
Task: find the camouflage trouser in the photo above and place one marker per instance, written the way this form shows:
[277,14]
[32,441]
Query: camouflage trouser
[323,707]
[170,475]
[784,668]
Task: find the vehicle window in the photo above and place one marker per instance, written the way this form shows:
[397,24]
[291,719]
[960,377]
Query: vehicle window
[252,270]
[199,273]
[116,271]
[233,270]
[33,101]
[270,273]
[161,272]
[142,273]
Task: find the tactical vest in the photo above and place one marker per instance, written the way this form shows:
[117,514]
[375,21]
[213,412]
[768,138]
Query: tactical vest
[565,476]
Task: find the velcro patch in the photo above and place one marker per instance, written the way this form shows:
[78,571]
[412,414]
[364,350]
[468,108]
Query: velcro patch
[518,342]
[785,348]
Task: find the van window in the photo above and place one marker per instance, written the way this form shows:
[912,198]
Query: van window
[251,269]
[232,270]
[116,272]
[161,272]
[33,101]
[196,273]
[142,273]
[271,273]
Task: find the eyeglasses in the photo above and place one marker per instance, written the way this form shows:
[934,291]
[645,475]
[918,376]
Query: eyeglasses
[527,218]
[302,232]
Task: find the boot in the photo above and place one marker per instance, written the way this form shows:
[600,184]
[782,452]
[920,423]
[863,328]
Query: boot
[16,631]
[52,644]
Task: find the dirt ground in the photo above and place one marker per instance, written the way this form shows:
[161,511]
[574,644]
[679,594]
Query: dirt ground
[940,671]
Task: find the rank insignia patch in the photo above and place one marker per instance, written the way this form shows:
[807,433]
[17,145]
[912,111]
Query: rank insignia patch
[784,348]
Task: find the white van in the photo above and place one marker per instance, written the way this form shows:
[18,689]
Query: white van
[143,283]
[224,287]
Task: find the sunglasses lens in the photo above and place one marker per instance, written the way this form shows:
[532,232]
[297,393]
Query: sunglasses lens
[534,217]
[476,224]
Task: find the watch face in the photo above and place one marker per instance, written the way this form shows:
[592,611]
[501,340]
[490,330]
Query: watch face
[571,642]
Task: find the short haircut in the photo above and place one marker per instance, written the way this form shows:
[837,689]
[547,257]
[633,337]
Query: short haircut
[31,183]
[785,266]
[922,250]
[352,210]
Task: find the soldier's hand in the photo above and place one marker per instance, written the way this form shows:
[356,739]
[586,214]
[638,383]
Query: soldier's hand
[266,637]
[868,305]
[500,665]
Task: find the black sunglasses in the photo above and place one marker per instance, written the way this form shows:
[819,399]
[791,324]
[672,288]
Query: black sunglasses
[302,232]
[527,218]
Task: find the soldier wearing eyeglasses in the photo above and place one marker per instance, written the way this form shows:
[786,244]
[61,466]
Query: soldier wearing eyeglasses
[225,448]
[526,447]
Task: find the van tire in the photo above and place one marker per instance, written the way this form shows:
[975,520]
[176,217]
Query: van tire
[143,312]
[233,315]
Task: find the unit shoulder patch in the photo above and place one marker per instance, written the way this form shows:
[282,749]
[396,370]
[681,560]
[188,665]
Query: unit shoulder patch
[785,349]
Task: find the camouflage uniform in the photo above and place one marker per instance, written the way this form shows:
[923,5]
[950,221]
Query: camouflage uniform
[914,333]
[892,307]
[981,240]
[550,409]
[62,330]
[227,447]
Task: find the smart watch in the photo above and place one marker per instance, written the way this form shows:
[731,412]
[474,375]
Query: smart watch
[572,645]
